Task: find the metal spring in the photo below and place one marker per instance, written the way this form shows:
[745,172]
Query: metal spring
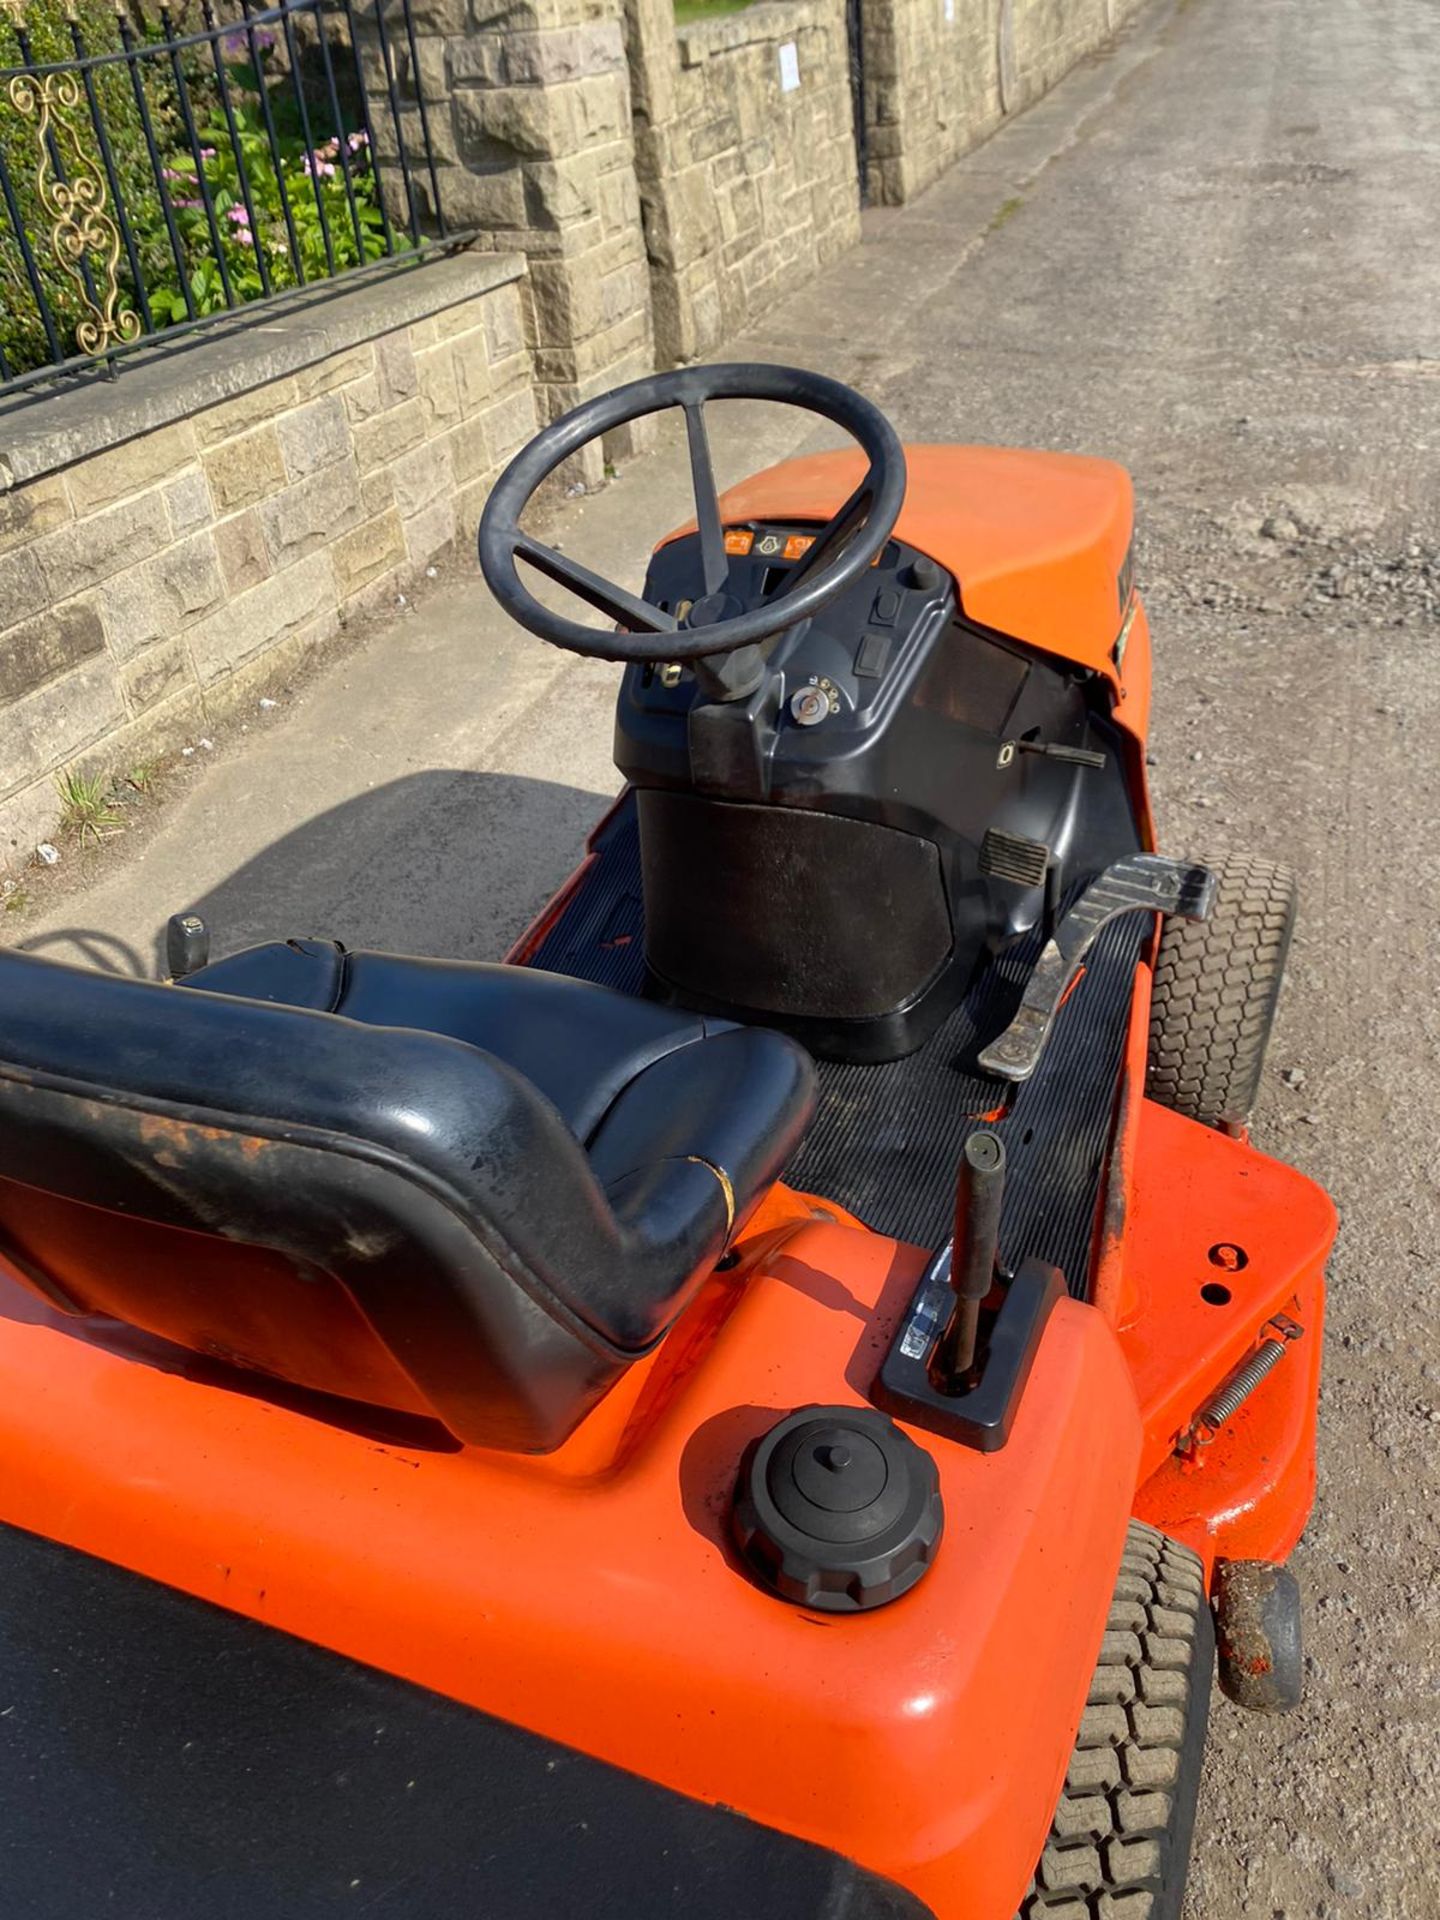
[1241,1384]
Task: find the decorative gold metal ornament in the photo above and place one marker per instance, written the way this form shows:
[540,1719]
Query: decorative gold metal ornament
[82,229]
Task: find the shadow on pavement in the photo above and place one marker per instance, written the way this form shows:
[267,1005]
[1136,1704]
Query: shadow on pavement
[444,863]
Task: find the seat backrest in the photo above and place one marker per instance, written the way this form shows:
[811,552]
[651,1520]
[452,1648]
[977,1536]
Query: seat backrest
[389,1215]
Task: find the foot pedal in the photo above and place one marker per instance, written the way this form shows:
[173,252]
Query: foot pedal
[1010,856]
[1141,883]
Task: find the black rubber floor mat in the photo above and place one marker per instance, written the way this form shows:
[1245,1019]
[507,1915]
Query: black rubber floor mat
[886,1139]
[601,934]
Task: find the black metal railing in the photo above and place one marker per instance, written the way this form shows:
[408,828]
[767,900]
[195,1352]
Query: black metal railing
[160,172]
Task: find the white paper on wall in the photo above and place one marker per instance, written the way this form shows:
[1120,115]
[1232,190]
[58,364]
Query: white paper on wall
[789,67]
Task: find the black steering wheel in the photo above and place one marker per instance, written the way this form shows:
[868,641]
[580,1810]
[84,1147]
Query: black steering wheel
[716,623]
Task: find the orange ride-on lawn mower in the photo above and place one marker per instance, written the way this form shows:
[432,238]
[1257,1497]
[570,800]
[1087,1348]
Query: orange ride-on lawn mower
[764,1404]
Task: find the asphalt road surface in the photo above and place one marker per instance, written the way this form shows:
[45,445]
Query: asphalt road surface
[1214,255]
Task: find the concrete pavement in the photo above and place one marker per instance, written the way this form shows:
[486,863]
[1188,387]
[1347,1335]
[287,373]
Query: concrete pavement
[1211,254]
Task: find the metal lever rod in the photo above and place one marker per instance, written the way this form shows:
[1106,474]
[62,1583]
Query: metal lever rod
[979,1190]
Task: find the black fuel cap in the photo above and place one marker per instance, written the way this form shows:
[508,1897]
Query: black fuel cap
[837,1509]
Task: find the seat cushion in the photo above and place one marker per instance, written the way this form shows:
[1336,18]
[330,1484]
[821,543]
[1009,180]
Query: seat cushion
[373,1205]
[579,1044]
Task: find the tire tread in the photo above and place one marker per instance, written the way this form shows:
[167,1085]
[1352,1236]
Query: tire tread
[1124,1812]
[1217,983]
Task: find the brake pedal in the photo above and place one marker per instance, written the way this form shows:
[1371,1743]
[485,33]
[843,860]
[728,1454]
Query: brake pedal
[1141,883]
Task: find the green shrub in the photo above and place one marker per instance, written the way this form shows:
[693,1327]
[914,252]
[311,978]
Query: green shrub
[245,213]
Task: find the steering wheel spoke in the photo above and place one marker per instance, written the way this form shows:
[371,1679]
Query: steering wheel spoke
[614,602]
[715,566]
[830,544]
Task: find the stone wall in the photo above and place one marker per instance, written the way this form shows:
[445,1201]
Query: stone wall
[748,186]
[528,105]
[941,74]
[147,589]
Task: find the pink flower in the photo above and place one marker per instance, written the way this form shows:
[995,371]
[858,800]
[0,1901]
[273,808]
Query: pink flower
[207,153]
[188,205]
[358,140]
[240,215]
[317,168]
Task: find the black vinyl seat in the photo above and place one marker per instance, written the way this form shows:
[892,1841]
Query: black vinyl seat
[473,1192]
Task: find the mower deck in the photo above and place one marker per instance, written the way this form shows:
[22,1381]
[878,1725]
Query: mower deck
[886,1138]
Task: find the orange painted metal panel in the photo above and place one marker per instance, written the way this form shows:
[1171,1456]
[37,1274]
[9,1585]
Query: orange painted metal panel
[1037,541]
[1194,1318]
[592,1595]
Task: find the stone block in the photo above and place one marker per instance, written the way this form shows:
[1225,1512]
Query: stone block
[504,323]
[380,441]
[240,545]
[439,392]
[552,56]
[489,197]
[538,122]
[187,500]
[715,137]
[604,109]
[421,476]
[509,424]
[155,674]
[567,301]
[58,721]
[445,325]
[162,595]
[39,506]
[340,370]
[362,398]
[470,357]
[309,514]
[432,531]
[262,618]
[244,412]
[274,667]
[90,551]
[619,201]
[470,455]
[476,60]
[558,192]
[367,551]
[377,492]
[395,369]
[37,650]
[314,436]
[245,470]
[22,586]
[129,469]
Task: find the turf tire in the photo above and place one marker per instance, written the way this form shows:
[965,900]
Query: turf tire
[1119,1844]
[1217,983]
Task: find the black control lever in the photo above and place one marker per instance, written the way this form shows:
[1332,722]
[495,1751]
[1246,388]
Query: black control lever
[187,944]
[1073,756]
[979,1190]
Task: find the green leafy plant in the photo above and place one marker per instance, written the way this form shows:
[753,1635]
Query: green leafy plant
[224,213]
[87,807]
[143,775]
